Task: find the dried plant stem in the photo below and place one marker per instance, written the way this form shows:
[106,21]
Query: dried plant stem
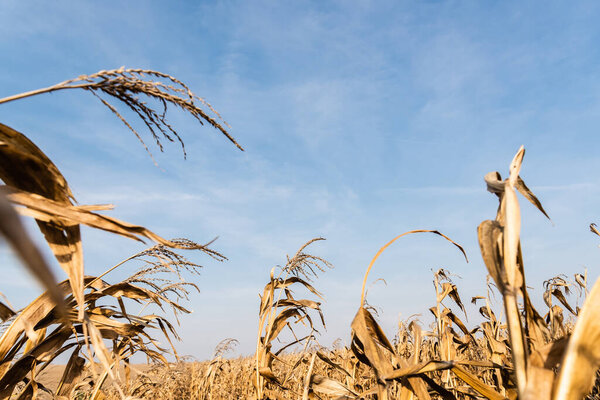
[111,269]
[261,326]
[279,310]
[511,244]
[259,378]
[515,334]
[49,89]
[307,379]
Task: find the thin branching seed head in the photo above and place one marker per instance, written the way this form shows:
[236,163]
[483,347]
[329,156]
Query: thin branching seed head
[127,85]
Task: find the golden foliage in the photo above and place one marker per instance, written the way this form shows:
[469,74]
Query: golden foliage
[528,356]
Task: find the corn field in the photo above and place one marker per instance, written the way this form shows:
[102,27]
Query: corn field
[98,325]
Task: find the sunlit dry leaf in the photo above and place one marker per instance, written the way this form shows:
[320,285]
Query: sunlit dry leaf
[490,240]
[27,319]
[71,373]
[418,369]
[279,309]
[66,215]
[582,356]
[25,167]
[550,355]
[333,364]
[370,337]
[528,194]
[476,383]
[330,387]
[538,333]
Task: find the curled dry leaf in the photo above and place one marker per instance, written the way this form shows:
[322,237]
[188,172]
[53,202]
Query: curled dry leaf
[382,249]
[490,242]
[26,168]
[368,336]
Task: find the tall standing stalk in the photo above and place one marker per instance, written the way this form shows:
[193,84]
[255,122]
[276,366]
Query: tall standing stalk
[278,312]
[511,240]
[500,248]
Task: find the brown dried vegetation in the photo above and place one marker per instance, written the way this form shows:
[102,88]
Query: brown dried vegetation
[515,352]
[528,356]
[86,315]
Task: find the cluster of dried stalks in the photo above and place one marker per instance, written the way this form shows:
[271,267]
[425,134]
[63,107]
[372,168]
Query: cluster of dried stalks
[528,355]
[98,324]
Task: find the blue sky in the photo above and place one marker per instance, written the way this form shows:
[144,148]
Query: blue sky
[360,120]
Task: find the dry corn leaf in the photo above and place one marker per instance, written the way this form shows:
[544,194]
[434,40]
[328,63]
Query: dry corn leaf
[501,250]
[284,283]
[68,215]
[71,373]
[5,312]
[452,317]
[549,355]
[561,297]
[382,249]
[333,364]
[439,389]
[490,242]
[413,385]
[33,340]
[27,319]
[537,331]
[330,387]
[25,167]
[421,368]
[528,194]
[582,356]
[45,351]
[417,338]
[581,280]
[369,334]
[449,289]
[267,373]
[281,321]
[476,383]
